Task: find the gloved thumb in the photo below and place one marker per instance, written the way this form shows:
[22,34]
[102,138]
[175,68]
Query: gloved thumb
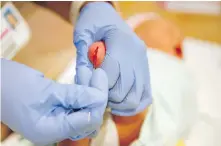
[95,78]
[99,81]
[90,84]
[91,118]
[83,76]
[82,43]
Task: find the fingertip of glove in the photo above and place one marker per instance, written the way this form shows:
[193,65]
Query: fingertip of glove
[83,75]
[100,73]
[100,80]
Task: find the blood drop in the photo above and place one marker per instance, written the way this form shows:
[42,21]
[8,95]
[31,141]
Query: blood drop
[96,53]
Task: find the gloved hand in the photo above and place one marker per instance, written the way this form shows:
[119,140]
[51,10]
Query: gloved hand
[44,111]
[125,63]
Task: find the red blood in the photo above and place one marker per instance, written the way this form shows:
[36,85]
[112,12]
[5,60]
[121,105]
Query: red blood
[178,51]
[96,53]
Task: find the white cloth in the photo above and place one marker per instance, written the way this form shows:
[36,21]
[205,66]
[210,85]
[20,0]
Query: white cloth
[174,108]
[204,60]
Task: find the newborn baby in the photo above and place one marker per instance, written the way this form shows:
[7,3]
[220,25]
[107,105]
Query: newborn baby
[170,116]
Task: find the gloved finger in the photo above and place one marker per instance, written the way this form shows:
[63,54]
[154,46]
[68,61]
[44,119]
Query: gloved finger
[132,100]
[82,46]
[145,101]
[123,85]
[104,89]
[83,76]
[121,75]
[112,68]
[95,115]
[145,96]
[99,80]
[90,26]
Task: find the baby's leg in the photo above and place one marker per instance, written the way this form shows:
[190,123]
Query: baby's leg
[129,127]
[83,142]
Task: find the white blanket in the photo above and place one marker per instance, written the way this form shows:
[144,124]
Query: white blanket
[204,60]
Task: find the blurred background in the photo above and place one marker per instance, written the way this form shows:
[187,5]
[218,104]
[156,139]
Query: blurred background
[190,31]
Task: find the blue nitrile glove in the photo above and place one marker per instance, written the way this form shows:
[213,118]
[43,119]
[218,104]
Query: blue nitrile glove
[125,63]
[44,111]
